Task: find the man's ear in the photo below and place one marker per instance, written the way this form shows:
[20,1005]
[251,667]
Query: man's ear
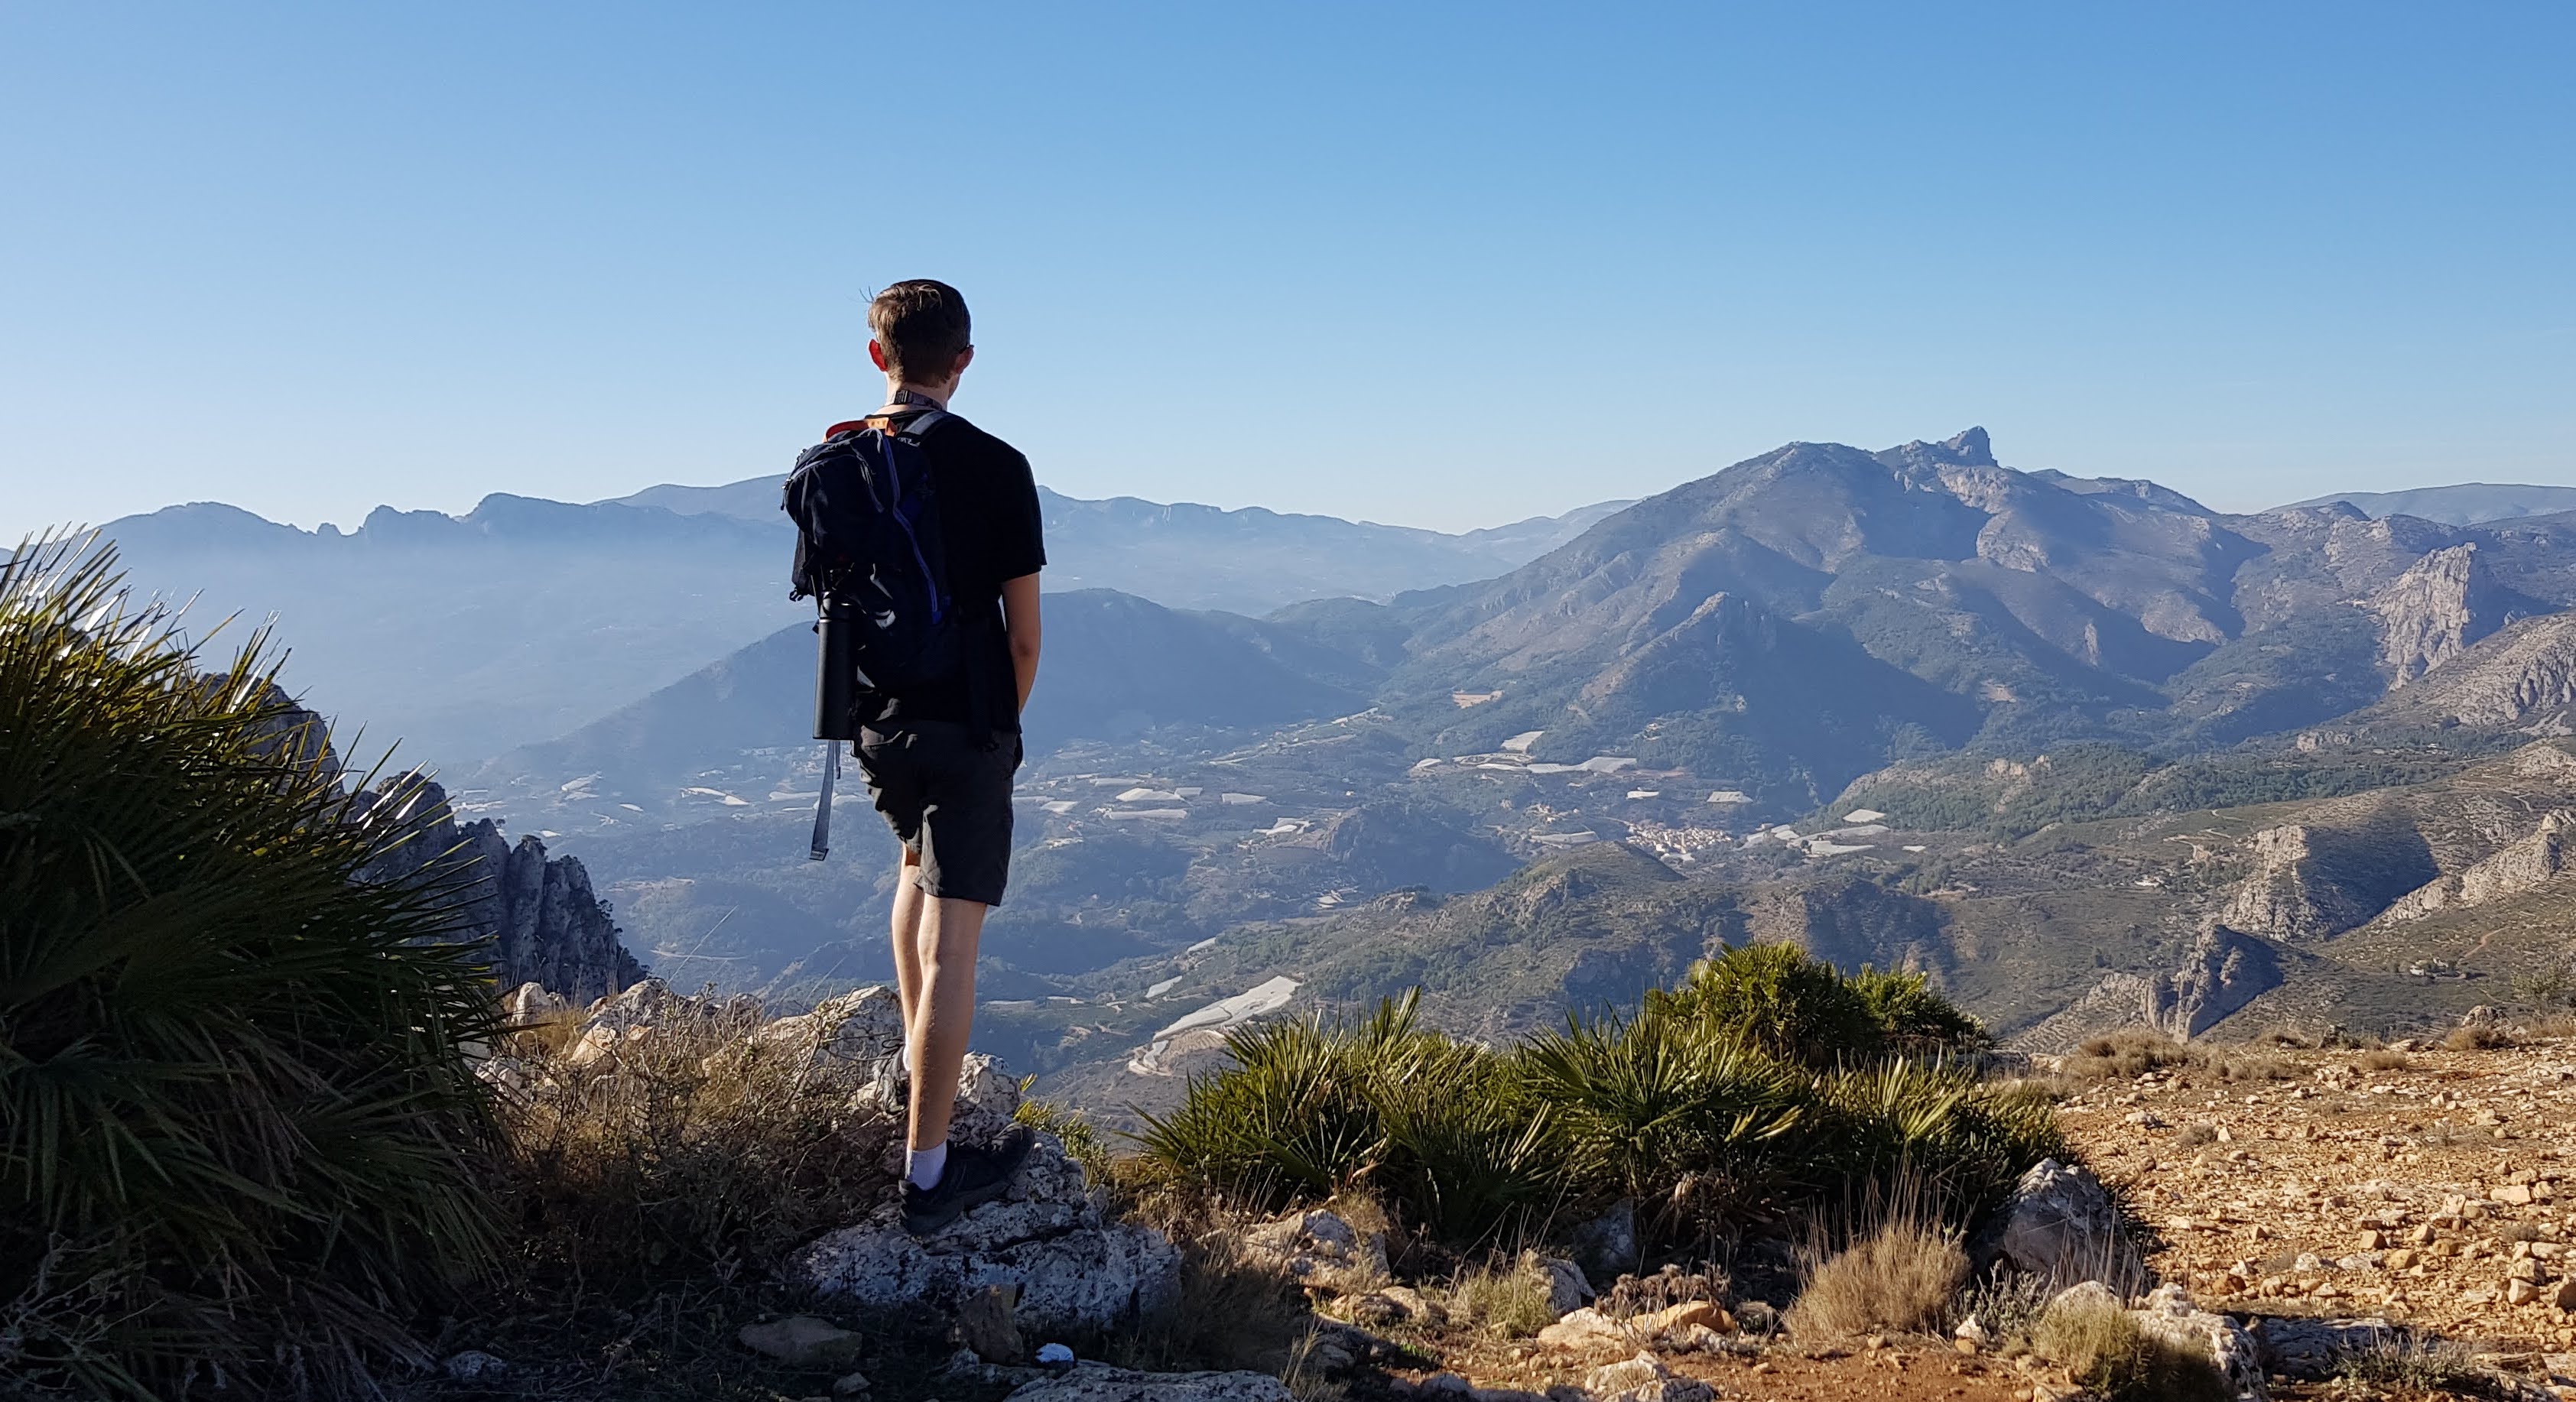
[965,358]
[876,353]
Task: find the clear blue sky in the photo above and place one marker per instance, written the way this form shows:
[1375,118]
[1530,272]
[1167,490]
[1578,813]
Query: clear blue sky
[1443,266]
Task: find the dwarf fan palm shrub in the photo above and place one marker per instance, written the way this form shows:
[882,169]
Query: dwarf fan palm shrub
[236,1114]
[1664,1109]
[1911,1017]
[1775,997]
[1468,1152]
[1318,1106]
[1933,1127]
[1292,1117]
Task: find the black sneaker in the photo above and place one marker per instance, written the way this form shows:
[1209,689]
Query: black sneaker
[972,1177]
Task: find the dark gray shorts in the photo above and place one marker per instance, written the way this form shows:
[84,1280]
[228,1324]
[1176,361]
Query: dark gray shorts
[947,794]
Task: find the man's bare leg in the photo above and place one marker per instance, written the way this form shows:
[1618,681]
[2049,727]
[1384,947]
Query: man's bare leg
[950,931]
[908,902]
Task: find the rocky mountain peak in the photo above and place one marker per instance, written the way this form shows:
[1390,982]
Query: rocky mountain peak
[544,924]
[2434,611]
[1968,448]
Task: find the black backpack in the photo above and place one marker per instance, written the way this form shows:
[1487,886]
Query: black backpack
[868,551]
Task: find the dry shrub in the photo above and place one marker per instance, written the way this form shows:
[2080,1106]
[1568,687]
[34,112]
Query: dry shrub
[2409,1363]
[2124,1055]
[2103,1348]
[688,1150]
[1899,1279]
[1507,1297]
[2238,1065]
[2553,1025]
[2008,1305]
[1633,1295]
[2478,1036]
[1231,1313]
[2385,1060]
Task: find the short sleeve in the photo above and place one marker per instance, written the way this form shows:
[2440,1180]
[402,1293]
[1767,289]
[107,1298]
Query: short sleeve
[1019,543]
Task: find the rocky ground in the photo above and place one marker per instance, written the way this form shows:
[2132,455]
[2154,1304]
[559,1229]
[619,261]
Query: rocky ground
[2415,1206]
[2435,1188]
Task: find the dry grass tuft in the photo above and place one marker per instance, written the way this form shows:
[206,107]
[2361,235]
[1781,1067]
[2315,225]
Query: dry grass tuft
[1231,1313]
[1899,1279]
[2384,1060]
[2124,1055]
[2412,1364]
[2102,1347]
[690,1150]
[1508,1297]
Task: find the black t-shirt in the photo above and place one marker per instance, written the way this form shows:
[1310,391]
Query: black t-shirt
[991,528]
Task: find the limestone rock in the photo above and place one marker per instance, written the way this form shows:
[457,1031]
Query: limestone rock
[2534,861]
[2523,678]
[987,1322]
[1568,1289]
[2085,1294]
[1320,1249]
[2313,881]
[988,1096]
[2313,1348]
[2170,1314]
[627,1017]
[1092,1382]
[1583,1328]
[1606,1246]
[2223,971]
[1049,1236]
[2431,613]
[848,1041]
[506,1074]
[2061,1226]
[532,1003]
[544,924]
[1644,1378]
[802,1341]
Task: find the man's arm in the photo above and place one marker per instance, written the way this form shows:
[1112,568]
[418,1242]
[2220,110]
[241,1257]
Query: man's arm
[1020,620]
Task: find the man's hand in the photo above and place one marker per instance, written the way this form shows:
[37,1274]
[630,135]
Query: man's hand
[1020,619]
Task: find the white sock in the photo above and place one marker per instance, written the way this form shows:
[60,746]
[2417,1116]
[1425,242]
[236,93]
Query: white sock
[923,1166]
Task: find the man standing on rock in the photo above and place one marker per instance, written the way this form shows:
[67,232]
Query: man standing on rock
[939,757]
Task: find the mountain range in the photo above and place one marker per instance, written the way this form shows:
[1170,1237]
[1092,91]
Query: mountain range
[2086,751]
[2462,504]
[464,636]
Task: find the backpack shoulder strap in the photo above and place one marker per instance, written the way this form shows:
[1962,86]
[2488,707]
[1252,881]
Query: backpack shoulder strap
[908,424]
[913,428]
